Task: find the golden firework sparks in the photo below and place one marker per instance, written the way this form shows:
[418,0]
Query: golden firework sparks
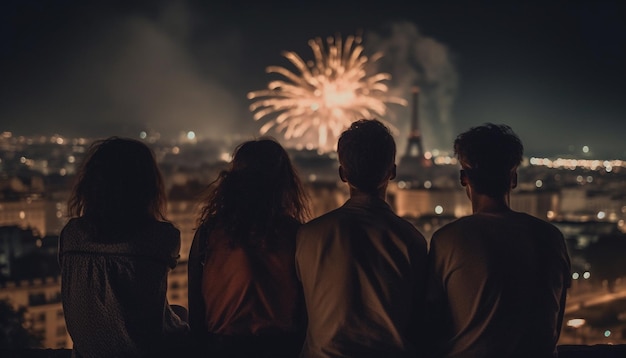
[326,94]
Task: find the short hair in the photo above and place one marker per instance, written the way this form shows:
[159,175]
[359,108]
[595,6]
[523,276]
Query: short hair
[489,154]
[367,152]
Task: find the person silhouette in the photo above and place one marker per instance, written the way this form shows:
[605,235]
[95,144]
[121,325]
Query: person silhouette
[497,278]
[244,297]
[115,254]
[362,267]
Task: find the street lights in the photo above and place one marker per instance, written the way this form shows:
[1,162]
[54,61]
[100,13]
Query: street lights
[576,323]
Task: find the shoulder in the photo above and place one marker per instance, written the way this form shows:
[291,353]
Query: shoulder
[73,225]
[332,221]
[322,221]
[407,225]
[70,235]
[167,234]
[406,230]
[76,229]
[455,228]
[168,228]
[456,234]
[540,226]
[72,222]
[321,229]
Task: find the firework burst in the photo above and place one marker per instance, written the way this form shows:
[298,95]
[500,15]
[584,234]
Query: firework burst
[325,95]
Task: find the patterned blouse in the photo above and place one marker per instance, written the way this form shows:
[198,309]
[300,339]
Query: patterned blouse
[114,292]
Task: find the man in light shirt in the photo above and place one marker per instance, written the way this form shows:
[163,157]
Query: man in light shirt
[361,266]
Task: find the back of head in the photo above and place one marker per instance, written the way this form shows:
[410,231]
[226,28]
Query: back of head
[367,153]
[262,170]
[260,186]
[489,154]
[118,183]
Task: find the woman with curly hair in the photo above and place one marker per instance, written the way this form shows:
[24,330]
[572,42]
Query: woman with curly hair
[245,299]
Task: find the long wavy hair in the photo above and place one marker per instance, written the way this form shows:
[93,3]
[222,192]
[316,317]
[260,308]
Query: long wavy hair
[260,187]
[118,186]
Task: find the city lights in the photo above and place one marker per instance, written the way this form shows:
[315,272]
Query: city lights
[561,163]
[193,79]
[576,322]
[550,190]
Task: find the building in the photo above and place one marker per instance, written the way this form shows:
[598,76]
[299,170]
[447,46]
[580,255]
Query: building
[15,243]
[44,317]
[24,213]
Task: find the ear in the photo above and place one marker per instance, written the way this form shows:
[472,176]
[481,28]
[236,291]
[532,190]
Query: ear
[463,177]
[514,179]
[342,174]
[392,174]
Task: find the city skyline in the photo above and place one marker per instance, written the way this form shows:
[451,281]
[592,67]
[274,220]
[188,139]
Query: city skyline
[586,203]
[553,72]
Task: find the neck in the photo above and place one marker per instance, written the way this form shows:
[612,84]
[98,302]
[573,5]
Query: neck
[379,193]
[485,204]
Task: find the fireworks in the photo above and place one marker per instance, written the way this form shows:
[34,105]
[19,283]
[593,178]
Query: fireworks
[326,94]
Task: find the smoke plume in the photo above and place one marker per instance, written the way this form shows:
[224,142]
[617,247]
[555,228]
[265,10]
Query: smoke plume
[414,59]
[132,72]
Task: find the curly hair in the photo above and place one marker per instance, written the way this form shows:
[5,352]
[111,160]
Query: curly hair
[118,185]
[488,155]
[366,152]
[260,187]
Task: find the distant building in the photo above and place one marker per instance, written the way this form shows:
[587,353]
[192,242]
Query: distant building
[44,315]
[416,203]
[15,243]
[542,204]
[24,213]
[582,203]
[419,202]
[184,215]
[326,196]
[314,167]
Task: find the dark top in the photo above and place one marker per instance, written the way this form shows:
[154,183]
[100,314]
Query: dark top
[114,293]
[242,296]
[363,271]
[497,286]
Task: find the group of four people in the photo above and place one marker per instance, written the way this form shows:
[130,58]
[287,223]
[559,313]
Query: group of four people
[358,281]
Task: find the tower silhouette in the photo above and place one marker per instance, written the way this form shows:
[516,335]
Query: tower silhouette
[414,166]
[414,146]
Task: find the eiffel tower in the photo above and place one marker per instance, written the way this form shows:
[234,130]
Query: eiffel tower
[414,146]
[413,164]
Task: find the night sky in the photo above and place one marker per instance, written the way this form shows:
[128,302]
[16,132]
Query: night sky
[555,71]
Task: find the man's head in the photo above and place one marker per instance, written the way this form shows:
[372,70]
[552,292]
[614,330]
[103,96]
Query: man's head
[489,156]
[367,153]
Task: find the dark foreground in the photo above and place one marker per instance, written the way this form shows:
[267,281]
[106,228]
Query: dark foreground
[565,351]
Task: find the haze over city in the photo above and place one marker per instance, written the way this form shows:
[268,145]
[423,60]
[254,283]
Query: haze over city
[195,78]
[552,71]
